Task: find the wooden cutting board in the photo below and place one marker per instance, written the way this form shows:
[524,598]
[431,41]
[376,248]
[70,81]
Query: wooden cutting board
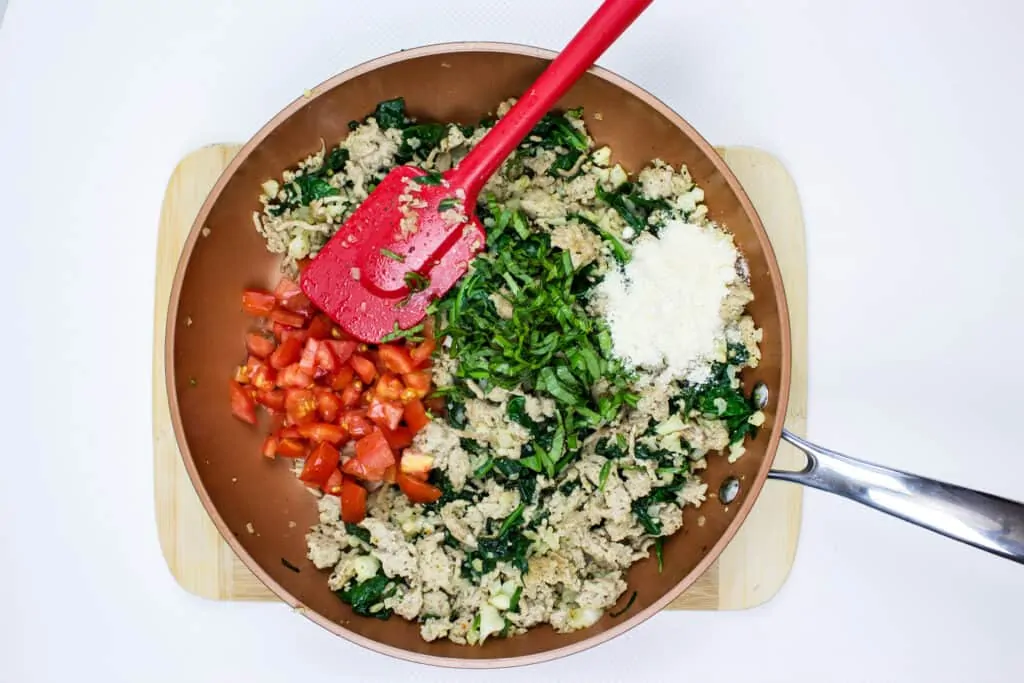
[750,571]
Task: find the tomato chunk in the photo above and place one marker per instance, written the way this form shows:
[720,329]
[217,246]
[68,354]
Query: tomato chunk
[307,361]
[374,455]
[418,382]
[320,328]
[242,404]
[415,490]
[293,377]
[273,400]
[291,297]
[269,449]
[287,353]
[258,302]
[364,368]
[423,351]
[291,448]
[320,464]
[350,394]
[325,358]
[355,423]
[343,350]
[396,358]
[385,413]
[286,317]
[321,432]
[389,387]
[333,485]
[398,438]
[416,415]
[342,378]
[263,378]
[258,345]
[353,501]
[328,405]
[300,406]
[416,464]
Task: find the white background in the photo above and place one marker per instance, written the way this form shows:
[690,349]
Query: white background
[902,124]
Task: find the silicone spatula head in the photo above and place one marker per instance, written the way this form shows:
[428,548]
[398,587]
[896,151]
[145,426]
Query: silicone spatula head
[412,239]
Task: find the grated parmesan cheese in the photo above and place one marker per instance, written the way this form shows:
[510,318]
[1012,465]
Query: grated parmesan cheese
[664,308]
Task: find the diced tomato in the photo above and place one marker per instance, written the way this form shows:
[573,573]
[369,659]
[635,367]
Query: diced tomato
[374,455]
[416,415]
[350,394]
[294,333]
[333,485]
[258,302]
[434,404]
[258,345]
[242,374]
[396,358]
[355,423]
[342,349]
[415,490]
[279,330]
[423,351]
[328,405]
[320,464]
[320,327]
[293,377]
[416,464]
[291,297]
[273,399]
[389,474]
[318,432]
[389,387]
[419,382]
[342,378]
[385,413]
[263,378]
[242,405]
[291,448]
[287,353]
[290,433]
[363,367]
[353,501]
[398,438]
[286,317]
[269,446]
[307,361]
[325,358]
[300,405]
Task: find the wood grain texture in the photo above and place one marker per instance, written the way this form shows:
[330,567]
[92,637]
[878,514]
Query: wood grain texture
[750,571]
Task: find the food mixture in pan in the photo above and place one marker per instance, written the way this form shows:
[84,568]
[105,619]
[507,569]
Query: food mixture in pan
[503,464]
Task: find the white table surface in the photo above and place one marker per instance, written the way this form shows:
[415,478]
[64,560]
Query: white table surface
[902,124]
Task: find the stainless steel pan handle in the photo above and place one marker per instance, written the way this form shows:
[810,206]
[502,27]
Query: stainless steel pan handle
[979,519]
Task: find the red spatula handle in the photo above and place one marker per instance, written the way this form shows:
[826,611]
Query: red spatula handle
[607,24]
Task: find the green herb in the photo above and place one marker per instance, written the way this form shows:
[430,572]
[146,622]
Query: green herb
[427,136]
[390,113]
[357,531]
[312,187]
[336,160]
[447,203]
[512,520]
[429,178]
[641,507]
[606,469]
[416,282]
[612,447]
[392,255]
[658,543]
[632,599]
[513,603]
[367,595]
[629,202]
[398,333]
[717,399]
[618,251]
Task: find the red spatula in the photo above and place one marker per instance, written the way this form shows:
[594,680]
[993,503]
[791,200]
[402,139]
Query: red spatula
[414,236]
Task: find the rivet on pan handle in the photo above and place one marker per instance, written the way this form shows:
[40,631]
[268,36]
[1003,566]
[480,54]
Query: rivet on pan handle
[979,519]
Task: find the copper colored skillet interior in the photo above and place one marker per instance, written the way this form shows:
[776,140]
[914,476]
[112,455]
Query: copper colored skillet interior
[462,82]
